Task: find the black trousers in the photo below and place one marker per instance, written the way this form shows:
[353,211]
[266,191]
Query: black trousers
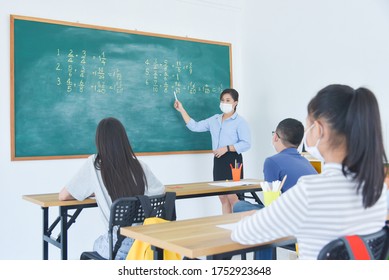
[222,168]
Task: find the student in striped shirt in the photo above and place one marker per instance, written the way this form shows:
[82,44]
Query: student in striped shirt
[348,197]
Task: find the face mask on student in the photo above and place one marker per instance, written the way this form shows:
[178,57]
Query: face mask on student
[312,150]
[225,107]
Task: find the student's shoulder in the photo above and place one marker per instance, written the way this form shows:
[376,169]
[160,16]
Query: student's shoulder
[272,161]
[311,180]
[143,164]
[276,157]
[145,167]
[92,157]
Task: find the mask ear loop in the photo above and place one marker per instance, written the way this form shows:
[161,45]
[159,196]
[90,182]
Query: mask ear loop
[321,133]
[236,105]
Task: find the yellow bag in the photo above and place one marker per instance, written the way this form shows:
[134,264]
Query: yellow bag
[142,251]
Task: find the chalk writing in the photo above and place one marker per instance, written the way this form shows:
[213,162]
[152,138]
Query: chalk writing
[84,70]
[160,75]
[80,70]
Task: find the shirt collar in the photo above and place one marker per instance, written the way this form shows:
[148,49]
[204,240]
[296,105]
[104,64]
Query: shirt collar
[332,165]
[233,117]
[290,151]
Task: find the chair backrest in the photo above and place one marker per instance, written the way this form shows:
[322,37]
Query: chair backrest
[127,211]
[376,243]
[161,206]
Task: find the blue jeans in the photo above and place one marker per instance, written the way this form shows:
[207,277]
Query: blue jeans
[124,248]
[242,206]
[101,246]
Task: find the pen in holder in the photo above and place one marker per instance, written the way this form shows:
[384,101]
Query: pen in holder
[236,172]
[272,190]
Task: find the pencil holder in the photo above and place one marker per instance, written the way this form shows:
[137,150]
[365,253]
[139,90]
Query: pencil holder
[270,196]
[236,173]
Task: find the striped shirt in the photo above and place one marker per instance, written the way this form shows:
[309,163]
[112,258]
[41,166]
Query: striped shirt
[318,209]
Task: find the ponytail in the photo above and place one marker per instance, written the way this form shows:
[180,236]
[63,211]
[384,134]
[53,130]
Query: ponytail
[365,150]
[354,116]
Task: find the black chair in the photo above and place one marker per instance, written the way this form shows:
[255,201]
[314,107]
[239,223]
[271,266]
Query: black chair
[127,211]
[377,243]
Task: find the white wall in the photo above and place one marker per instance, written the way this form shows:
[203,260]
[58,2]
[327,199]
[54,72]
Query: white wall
[283,53]
[292,49]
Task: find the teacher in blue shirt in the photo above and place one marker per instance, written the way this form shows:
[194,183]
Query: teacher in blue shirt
[230,135]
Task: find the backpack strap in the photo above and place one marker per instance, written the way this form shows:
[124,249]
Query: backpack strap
[170,206]
[357,248]
[146,205]
[118,243]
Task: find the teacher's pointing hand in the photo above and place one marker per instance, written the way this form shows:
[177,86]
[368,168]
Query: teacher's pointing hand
[178,106]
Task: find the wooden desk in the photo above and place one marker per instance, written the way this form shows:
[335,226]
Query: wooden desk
[202,189]
[50,200]
[195,238]
[61,241]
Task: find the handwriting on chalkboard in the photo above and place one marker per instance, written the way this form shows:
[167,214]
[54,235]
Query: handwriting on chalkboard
[166,77]
[75,71]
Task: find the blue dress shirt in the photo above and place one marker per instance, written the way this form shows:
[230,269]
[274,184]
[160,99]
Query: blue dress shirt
[288,161]
[232,131]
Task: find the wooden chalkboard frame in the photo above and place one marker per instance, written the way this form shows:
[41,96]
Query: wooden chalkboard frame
[14,157]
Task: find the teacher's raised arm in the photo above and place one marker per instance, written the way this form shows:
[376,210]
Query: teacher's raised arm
[181,109]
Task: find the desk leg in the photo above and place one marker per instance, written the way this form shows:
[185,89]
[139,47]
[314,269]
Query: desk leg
[274,253]
[63,212]
[255,196]
[45,247]
[158,253]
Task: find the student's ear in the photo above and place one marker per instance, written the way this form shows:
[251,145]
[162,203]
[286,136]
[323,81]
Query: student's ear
[319,129]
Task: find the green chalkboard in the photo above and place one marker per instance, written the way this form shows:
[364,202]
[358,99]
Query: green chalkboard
[66,77]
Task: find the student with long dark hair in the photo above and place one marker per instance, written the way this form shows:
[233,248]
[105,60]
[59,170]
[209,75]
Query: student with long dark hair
[343,128]
[112,173]
[230,135]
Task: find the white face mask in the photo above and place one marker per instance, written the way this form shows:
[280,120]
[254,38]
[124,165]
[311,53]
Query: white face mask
[312,150]
[225,107]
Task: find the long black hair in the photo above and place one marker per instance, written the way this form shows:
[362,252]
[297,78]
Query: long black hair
[354,115]
[120,169]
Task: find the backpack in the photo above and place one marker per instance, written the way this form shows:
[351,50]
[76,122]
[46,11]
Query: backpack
[142,250]
[357,248]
